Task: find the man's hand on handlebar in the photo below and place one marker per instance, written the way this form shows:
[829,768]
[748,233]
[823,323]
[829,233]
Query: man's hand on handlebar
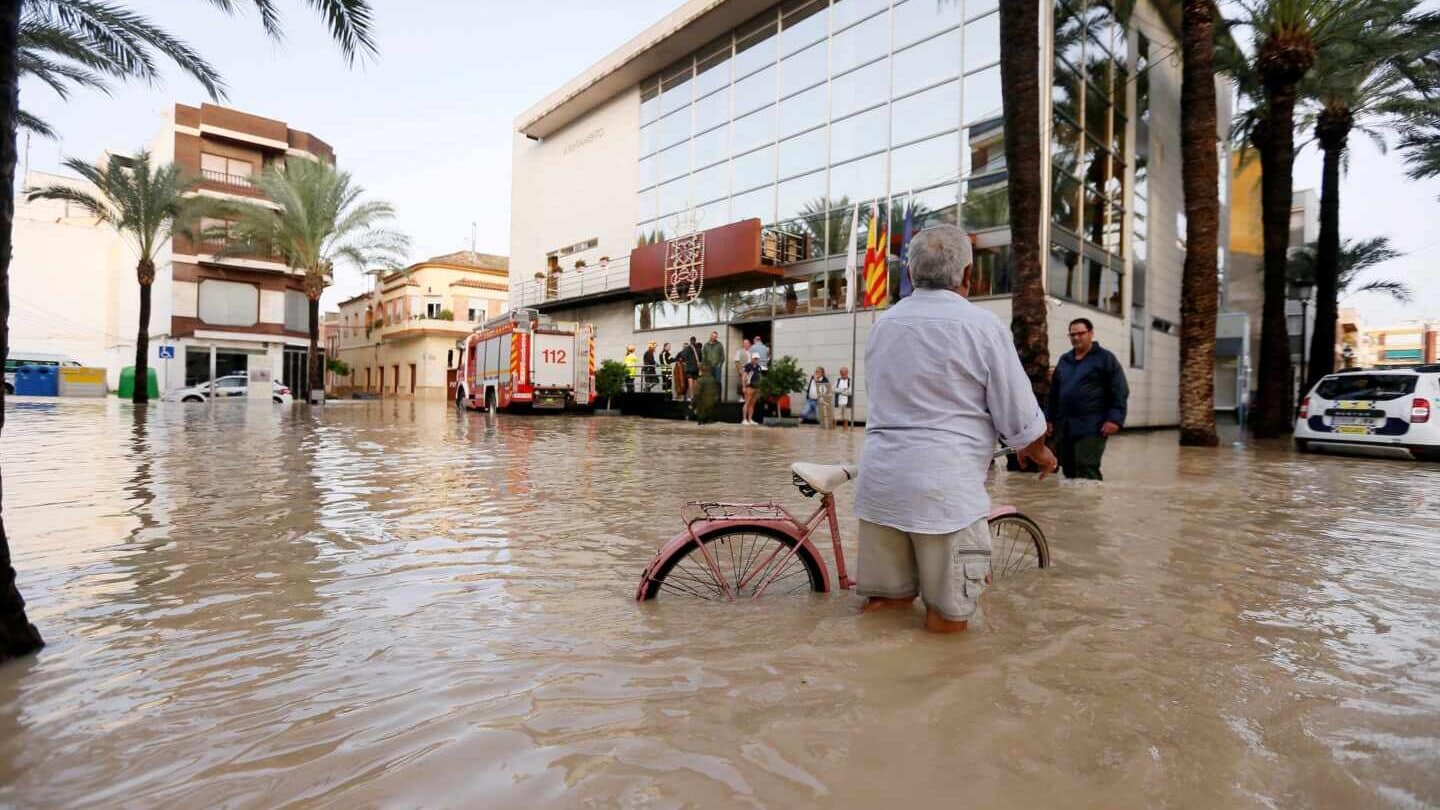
[1037,453]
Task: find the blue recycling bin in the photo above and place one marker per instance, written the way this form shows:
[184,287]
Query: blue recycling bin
[37,381]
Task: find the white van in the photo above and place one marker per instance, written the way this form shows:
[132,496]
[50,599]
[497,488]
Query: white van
[18,359]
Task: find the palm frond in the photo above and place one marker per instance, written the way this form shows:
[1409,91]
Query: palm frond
[33,123]
[1398,290]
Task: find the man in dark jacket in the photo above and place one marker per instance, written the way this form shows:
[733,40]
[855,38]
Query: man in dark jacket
[689,357]
[1087,402]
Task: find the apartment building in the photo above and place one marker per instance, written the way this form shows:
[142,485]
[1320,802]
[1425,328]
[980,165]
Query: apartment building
[399,338]
[1408,343]
[227,314]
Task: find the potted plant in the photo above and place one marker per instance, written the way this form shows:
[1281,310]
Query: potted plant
[783,376]
[610,381]
[447,315]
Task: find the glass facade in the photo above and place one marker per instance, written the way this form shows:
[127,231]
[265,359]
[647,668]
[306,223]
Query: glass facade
[815,105]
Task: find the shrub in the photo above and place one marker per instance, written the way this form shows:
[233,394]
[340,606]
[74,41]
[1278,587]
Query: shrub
[447,315]
[783,377]
[338,367]
[610,380]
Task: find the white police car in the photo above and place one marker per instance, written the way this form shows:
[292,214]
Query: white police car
[1391,410]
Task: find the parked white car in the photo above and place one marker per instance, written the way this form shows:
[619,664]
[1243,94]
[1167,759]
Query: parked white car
[18,359]
[227,387]
[1391,409]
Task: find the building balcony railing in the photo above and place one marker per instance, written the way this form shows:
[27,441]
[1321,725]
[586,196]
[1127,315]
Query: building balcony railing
[214,247]
[601,278]
[239,181]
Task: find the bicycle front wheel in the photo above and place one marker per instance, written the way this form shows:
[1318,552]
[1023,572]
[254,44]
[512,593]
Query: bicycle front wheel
[1017,544]
[750,560]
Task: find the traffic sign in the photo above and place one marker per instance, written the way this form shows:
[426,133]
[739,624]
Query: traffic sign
[167,352]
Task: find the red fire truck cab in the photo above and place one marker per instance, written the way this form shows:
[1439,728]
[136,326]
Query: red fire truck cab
[523,358]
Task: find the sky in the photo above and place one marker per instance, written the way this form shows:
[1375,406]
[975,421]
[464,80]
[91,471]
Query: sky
[427,123]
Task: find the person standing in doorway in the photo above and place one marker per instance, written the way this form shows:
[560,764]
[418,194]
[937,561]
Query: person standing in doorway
[1087,402]
[758,348]
[713,356]
[742,356]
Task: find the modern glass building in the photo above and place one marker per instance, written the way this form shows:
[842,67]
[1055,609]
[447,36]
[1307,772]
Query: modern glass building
[789,115]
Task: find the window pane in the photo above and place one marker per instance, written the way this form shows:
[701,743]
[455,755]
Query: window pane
[975,8]
[856,91]
[916,20]
[297,311]
[987,204]
[1063,273]
[674,196]
[712,110]
[753,130]
[648,174]
[755,44]
[801,23]
[802,111]
[934,206]
[860,44]
[212,163]
[862,179]
[928,113]
[992,274]
[1065,200]
[711,147]
[229,303]
[803,69]
[674,161]
[845,12]
[1069,33]
[755,91]
[650,102]
[985,148]
[645,205]
[672,129]
[713,71]
[857,135]
[982,42]
[714,214]
[754,169]
[982,96]
[758,204]
[675,89]
[710,184]
[924,164]
[797,193]
[927,63]
[803,153]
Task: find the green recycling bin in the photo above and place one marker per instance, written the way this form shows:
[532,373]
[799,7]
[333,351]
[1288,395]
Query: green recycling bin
[127,383]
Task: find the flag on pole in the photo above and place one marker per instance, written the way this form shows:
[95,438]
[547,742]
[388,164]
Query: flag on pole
[877,249]
[850,259]
[905,286]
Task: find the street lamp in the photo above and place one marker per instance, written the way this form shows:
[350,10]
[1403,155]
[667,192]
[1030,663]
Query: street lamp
[1302,291]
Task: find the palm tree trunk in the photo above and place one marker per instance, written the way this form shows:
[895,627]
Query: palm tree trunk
[146,273]
[1273,410]
[17,635]
[1200,170]
[1332,135]
[1020,74]
[315,379]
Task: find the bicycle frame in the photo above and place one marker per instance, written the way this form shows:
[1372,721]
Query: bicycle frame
[715,517]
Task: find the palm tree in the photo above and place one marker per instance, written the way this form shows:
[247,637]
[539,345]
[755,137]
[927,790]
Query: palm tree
[1352,259]
[1020,75]
[1286,38]
[1200,170]
[80,41]
[1364,83]
[322,219]
[138,201]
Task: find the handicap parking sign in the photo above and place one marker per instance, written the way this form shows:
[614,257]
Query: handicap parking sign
[167,352]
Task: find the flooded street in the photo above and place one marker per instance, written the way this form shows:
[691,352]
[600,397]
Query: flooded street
[391,605]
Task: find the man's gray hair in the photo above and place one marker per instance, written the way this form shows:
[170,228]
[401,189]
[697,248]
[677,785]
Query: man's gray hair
[938,257]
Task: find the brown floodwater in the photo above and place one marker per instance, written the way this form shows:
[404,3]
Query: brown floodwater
[391,605]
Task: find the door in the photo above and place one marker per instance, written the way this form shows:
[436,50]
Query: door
[412,379]
[553,360]
[396,379]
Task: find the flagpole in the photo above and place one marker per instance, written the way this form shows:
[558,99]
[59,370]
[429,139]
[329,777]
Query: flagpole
[850,282]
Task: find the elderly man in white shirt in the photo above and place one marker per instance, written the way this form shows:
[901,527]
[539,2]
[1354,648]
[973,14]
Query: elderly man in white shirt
[944,384]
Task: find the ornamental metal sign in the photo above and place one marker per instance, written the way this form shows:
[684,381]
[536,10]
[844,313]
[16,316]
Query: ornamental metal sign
[685,262]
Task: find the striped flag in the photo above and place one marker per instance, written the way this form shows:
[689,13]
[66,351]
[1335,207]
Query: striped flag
[877,280]
[850,260]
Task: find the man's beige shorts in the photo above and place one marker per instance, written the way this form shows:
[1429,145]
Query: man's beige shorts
[947,570]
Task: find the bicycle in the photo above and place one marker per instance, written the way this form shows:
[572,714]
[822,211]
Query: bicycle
[764,548]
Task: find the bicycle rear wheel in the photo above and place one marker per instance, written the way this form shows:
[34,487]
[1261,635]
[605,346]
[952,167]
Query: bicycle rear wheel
[749,559]
[1017,544]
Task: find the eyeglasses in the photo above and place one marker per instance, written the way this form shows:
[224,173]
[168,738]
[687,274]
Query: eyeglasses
[1075,335]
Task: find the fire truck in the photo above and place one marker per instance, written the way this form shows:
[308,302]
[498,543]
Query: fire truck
[526,359]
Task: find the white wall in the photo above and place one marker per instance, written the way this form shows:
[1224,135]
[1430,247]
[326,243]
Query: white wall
[576,185]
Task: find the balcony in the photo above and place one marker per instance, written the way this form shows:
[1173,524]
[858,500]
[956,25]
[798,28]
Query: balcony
[419,323]
[573,285]
[230,181]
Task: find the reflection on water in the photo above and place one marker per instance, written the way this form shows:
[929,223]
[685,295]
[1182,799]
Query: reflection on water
[392,604]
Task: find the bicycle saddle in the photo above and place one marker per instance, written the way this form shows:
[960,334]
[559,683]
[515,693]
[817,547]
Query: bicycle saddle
[822,478]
